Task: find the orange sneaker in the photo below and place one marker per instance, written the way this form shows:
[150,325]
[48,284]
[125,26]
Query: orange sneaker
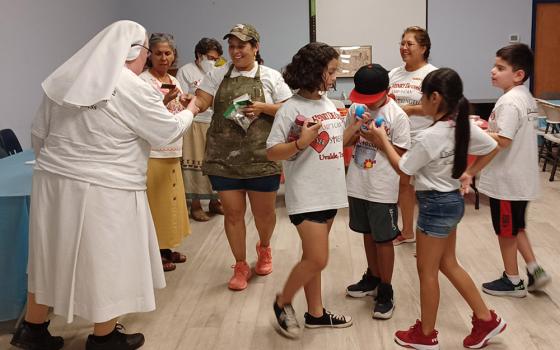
[264,260]
[241,274]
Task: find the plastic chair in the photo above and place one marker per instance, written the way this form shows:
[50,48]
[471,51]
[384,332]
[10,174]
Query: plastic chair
[551,135]
[552,138]
[3,153]
[9,141]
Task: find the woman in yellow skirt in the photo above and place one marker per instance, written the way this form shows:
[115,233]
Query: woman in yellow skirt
[165,188]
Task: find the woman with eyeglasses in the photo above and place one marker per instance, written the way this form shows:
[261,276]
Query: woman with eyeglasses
[235,157]
[208,53]
[166,192]
[93,250]
[404,86]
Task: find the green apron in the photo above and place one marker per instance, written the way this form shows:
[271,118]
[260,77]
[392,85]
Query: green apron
[230,151]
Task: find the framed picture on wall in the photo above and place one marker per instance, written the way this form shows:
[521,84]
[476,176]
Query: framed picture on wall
[351,59]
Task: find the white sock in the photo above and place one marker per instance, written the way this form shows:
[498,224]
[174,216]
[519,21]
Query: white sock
[532,266]
[515,279]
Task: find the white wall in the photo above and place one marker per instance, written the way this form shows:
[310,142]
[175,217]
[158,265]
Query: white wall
[378,23]
[466,35]
[282,25]
[37,37]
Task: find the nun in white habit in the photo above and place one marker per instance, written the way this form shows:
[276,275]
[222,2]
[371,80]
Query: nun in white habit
[93,250]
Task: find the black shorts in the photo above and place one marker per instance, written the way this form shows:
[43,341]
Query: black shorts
[320,217]
[378,219]
[508,217]
[257,184]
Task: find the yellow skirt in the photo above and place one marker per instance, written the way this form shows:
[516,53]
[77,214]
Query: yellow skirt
[166,196]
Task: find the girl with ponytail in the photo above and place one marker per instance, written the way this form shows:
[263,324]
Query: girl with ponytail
[438,161]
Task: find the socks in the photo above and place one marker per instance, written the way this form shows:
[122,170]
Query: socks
[515,279]
[532,266]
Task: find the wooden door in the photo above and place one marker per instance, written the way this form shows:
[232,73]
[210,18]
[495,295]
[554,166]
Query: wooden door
[547,49]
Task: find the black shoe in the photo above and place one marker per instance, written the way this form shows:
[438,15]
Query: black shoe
[384,305]
[31,336]
[366,286]
[328,319]
[504,287]
[116,340]
[286,321]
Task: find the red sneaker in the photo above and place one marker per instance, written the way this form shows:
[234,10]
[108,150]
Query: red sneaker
[482,331]
[415,339]
[264,260]
[241,274]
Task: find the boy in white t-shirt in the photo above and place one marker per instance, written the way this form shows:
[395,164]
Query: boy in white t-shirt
[512,179]
[373,185]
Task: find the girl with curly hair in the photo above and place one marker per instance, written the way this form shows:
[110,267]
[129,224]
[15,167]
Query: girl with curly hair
[307,135]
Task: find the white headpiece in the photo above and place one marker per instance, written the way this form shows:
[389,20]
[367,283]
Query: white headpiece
[90,76]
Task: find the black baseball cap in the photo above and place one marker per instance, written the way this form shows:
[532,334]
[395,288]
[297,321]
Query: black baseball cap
[370,84]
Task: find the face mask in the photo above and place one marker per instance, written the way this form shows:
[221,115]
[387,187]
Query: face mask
[207,65]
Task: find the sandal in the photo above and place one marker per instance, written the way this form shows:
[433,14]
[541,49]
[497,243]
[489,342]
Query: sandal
[400,240]
[216,208]
[199,215]
[167,265]
[178,258]
[174,257]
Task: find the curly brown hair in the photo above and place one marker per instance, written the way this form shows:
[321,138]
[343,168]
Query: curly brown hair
[308,65]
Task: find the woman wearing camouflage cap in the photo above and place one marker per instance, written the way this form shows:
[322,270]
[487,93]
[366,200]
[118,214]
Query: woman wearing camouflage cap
[235,157]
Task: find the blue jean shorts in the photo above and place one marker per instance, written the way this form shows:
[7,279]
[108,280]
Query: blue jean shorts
[439,212]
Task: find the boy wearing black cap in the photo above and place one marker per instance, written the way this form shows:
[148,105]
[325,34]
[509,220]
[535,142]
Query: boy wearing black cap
[373,185]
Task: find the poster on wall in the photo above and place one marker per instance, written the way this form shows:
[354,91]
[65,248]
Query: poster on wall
[351,59]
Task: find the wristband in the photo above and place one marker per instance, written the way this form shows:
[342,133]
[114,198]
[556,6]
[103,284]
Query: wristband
[297,147]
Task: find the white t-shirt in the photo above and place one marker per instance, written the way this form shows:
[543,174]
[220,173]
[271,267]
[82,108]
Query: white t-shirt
[370,175]
[406,87]
[275,89]
[175,149]
[430,159]
[190,76]
[514,173]
[107,144]
[315,178]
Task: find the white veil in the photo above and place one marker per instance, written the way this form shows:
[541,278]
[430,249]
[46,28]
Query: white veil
[91,74]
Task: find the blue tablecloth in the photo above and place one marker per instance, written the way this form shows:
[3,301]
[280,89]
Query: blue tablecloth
[15,188]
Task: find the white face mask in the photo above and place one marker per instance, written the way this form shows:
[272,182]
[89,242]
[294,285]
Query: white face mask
[207,65]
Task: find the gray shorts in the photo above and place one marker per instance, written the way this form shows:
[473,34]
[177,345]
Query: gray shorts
[379,219]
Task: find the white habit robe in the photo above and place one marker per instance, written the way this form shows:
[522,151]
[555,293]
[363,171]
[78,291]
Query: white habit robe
[93,249]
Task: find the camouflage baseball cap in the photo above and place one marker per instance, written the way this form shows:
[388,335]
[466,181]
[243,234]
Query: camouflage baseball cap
[244,32]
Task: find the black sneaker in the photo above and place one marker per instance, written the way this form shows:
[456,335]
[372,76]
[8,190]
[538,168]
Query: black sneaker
[504,287]
[384,305]
[286,321]
[116,340]
[366,286]
[537,280]
[327,320]
[32,336]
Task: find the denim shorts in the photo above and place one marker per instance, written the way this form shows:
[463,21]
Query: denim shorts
[439,212]
[257,184]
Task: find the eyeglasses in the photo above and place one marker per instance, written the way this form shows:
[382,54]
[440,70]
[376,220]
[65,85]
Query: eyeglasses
[149,51]
[407,44]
